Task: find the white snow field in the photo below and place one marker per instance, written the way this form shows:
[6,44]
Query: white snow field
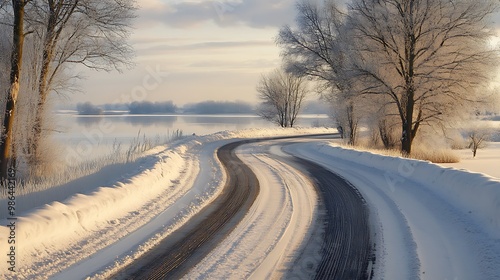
[487,160]
[429,222]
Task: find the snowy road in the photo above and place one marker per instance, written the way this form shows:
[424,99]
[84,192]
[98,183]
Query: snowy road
[280,236]
[264,244]
[426,221]
[346,249]
[418,230]
[281,228]
[174,256]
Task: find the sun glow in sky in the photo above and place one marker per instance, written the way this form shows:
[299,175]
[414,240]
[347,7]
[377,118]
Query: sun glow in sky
[211,50]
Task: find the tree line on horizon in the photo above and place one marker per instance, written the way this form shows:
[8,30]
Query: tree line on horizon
[168,107]
[209,107]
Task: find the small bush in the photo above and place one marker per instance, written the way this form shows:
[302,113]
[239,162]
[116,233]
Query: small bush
[88,108]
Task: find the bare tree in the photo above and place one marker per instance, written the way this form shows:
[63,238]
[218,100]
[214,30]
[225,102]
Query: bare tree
[91,33]
[88,32]
[345,112]
[477,138]
[282,95]
[421,54]
[386,132]
[7,159]
[319,49]
[5,51]
[383,121]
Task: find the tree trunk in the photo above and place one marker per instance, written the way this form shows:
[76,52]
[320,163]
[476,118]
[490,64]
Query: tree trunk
[410,42]
[6,150]
[407,137]
[38,123]
[43,84]
[408,132]
[352,121]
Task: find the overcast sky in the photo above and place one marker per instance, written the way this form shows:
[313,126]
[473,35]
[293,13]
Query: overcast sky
[203,49]
[211,50]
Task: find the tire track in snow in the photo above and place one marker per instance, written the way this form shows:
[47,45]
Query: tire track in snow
[346,250]
[423,236]
[267,240]
[172,265]
[391,233]
[173,258]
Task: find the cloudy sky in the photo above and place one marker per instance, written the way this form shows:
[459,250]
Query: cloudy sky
[195,50]
[204,50]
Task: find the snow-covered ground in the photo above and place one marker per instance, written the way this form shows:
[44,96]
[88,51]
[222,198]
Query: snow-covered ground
[101,224]
[487,160]
[265,243]
[429,222]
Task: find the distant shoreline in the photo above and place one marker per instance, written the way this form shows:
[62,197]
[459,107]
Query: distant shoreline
[126,113]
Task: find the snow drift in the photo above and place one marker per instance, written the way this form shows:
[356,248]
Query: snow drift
[63,224]
[474,193]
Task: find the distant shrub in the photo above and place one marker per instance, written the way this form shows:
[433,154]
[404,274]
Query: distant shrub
[148,107]
[219,107]
[88,108]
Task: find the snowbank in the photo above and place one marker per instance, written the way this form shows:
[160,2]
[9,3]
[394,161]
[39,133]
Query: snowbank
[56,224]
[474,193]
[59,225]
[262,133]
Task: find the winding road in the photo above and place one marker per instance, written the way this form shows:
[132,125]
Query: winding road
[174,256]
[345,248]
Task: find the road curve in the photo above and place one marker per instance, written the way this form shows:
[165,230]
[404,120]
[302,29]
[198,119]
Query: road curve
[171,260]
[346,247]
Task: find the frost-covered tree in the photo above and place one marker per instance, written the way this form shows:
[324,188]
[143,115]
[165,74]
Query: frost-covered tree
[318,47]
[7,158]
[282,94]
[429,57]
[345,111]
[477,138]
[91,33]
[382,121]
[5,49]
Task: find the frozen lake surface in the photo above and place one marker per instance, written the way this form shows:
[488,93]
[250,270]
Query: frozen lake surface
[95,134]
